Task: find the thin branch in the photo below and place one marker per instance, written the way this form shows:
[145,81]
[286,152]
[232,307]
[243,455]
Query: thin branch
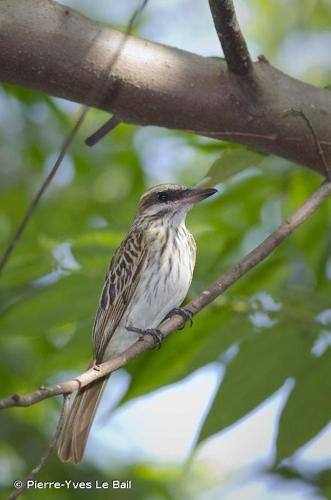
[114,121]
[232,41]
[318,144]
[136,16]
[33,205]
[169,326]
[91,97]
[21,486]
[102,131]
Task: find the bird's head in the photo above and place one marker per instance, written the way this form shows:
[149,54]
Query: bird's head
[170,202]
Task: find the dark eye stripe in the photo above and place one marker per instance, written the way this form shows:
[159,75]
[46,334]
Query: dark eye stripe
[152,198]
[163,196]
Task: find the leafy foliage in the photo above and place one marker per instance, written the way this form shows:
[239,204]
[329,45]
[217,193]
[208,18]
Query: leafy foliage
[232,162]
[276,320]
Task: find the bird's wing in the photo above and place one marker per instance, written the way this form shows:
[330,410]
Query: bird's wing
[121,281]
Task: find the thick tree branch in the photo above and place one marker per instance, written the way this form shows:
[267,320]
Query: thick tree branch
[111,124]
[47,47]
[169,326]
[114,121]
[232,41]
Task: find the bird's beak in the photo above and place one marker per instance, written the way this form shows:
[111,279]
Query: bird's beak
[196,195]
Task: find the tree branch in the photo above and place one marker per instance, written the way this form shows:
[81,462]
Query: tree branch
[111,124]
[35,201]
[114,121]
[169,326]
[232,41]
[47,47]
[234,48]
[319,148]
[102,131]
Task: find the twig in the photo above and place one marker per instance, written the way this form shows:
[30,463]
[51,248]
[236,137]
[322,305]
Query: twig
[169,326]
[135,16]
[232,41]
[114,120]
[320,152]
[94,92]
[42,189]
[47,454]
[102,131]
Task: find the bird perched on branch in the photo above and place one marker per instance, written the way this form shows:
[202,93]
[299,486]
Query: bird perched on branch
[147,280]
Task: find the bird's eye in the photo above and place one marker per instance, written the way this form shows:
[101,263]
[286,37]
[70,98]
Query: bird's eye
[162,196]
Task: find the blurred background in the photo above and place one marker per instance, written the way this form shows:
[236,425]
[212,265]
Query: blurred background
[239,406]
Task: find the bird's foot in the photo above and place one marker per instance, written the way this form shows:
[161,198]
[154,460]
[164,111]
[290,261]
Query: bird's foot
[96,366]
[153,332]
[184,313]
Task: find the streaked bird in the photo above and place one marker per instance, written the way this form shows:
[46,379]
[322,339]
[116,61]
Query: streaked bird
[148,278]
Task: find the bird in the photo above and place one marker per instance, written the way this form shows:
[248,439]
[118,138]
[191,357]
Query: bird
[147,280]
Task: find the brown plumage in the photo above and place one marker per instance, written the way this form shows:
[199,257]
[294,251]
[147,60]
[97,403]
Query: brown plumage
[148,276]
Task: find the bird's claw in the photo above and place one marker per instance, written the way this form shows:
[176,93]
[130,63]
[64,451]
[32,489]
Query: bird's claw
[153,332]
[96,366]
[184,313]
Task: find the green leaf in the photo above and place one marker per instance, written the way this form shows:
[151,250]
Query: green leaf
[261,367]
[213,332]
[308,409]
[324,482]
[231,162]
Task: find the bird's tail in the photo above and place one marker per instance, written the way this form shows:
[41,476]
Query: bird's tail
[79,420]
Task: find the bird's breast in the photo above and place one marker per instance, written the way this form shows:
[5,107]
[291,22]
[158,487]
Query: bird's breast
[166,277]
[164,283]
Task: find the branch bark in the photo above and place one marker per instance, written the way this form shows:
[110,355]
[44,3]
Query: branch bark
[169,326]
[232,41]
[50,48]
[111,124]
